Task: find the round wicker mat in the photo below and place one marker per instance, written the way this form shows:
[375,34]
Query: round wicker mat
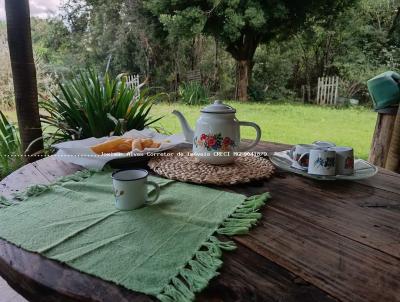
[189,169]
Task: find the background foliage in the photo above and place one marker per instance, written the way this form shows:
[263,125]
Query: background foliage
[10,147]
[356,44]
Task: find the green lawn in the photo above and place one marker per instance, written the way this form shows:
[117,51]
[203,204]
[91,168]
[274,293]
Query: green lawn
[291,123]
[288,123]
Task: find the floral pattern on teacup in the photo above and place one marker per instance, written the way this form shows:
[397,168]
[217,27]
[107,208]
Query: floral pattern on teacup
[214,142]
[349,162]
[328,162]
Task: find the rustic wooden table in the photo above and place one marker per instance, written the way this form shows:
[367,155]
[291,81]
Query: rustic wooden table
[317,241]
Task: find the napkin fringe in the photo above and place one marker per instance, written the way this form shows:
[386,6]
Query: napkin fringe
[4,202]
[207,260]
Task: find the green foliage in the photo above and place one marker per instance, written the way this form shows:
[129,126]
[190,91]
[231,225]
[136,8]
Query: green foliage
[231,21]
[45,79]
[242,25]
[355,45]
[193,93]
[272,70]
[10,147]
[91,105]
[6,83]
[163,40]
[192,19]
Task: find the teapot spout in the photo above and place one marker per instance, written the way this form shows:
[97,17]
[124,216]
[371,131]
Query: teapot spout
[187,131]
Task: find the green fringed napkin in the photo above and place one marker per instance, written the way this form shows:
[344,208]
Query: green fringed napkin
[167,250]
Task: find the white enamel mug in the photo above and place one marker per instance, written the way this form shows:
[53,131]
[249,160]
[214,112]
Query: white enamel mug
[322,162]
[300,154]
[130,189]
[344,160]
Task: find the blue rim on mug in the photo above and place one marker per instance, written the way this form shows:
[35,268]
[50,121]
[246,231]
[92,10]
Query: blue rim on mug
[122,170]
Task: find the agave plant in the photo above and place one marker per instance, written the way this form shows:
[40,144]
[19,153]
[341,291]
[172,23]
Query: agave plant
[92,105]
[10,147]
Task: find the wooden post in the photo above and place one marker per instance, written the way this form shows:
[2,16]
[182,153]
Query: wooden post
[382,138]
[328,90]
[24,76]
[393,157]
[336,89]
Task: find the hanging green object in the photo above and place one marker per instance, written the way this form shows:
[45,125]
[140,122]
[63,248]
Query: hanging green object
[385,89]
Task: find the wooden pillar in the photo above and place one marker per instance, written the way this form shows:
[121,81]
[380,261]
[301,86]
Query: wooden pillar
[382,138]
[24,77]
[393,157]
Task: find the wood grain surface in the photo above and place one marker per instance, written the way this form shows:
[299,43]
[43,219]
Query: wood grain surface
[316,241]
[381,139]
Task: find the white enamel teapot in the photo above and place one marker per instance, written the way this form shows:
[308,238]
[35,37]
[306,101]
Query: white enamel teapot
[217,134]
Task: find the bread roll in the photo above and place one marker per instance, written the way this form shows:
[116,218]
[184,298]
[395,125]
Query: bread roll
[137,144]
[113,145]
[155,145]
[147,142]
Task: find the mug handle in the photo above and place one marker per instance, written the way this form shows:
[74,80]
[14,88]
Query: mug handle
[258,136]
[157,188]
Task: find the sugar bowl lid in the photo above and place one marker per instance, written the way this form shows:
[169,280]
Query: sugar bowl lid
[218,107]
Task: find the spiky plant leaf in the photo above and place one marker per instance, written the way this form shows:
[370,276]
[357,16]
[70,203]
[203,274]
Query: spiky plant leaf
[90,105]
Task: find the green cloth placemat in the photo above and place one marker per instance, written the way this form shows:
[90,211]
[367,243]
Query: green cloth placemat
[167,249]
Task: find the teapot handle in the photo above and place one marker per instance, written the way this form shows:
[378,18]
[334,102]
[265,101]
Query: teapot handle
[258,130]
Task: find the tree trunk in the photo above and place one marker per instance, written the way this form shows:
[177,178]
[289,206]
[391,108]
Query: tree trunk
[243,51]
[24,75]
[216,75]
[244,74]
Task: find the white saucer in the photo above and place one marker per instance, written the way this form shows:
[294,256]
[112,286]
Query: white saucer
[362,168]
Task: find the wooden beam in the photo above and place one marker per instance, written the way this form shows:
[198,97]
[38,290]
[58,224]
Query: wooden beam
[381,139]
[393,157]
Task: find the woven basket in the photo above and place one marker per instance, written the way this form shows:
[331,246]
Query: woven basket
[189,169]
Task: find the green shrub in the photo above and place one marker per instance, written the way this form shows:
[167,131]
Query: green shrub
[10,147]
[273,65]
[193,93]
[91,105]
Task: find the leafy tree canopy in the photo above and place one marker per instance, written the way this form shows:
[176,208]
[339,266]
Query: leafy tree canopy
[242,24]
[237,22]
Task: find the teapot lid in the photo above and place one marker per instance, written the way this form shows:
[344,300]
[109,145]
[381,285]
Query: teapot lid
[218,107]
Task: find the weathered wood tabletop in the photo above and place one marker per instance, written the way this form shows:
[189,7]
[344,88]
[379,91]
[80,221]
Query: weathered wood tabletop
[317,241]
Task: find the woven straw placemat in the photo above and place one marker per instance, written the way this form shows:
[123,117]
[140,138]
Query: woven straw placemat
[189,169]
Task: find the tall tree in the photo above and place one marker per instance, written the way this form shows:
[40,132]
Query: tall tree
[24,75]
[241,24]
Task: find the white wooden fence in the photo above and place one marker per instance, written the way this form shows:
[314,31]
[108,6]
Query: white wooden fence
[327,90]
[134,83]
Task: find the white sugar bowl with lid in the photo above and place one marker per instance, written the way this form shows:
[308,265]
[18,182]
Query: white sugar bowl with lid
[217,134]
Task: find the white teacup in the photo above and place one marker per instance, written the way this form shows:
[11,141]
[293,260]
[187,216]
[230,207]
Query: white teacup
[322,162]
[344,160]
[300,154]
[130,189]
